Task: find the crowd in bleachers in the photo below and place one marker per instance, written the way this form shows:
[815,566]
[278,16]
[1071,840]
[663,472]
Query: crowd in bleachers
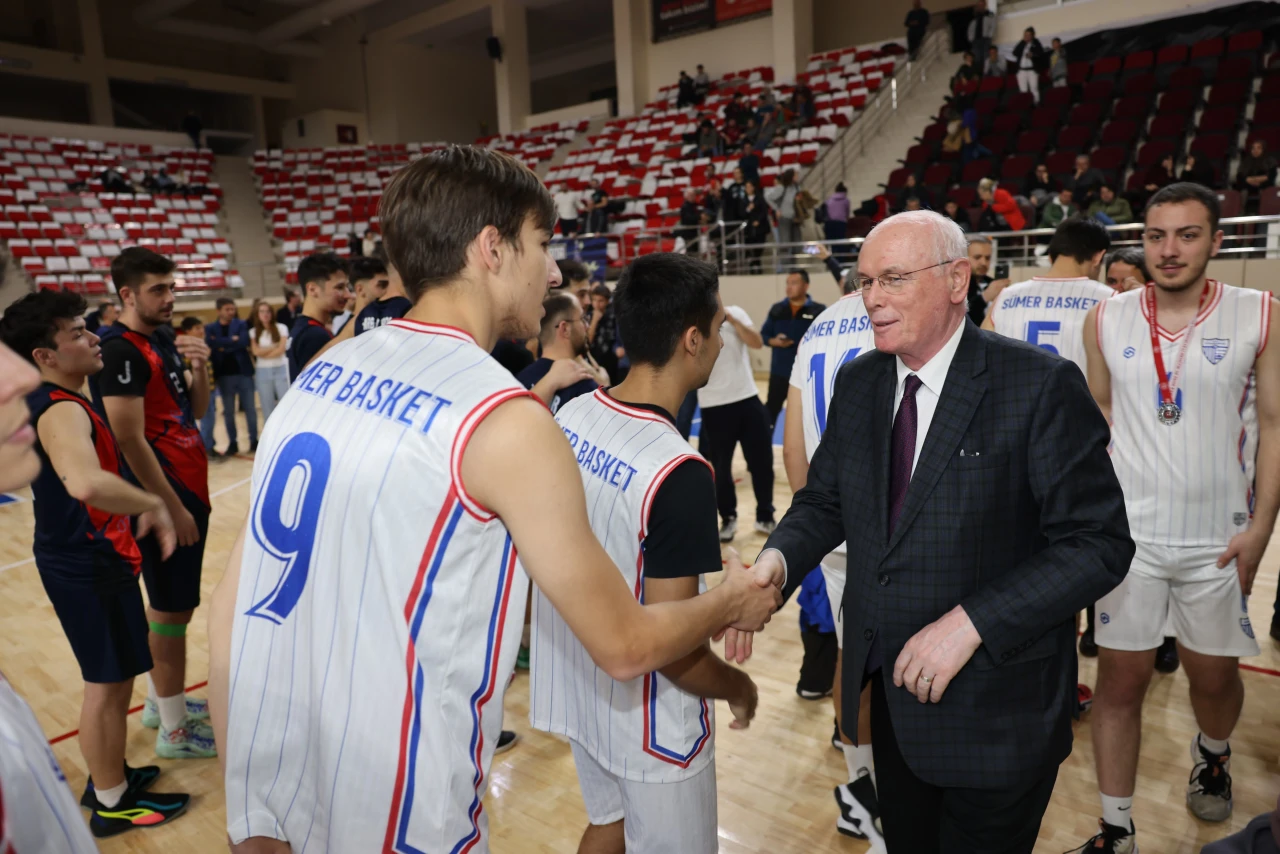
[67,207]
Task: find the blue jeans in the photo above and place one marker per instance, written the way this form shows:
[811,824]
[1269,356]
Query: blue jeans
[272,383]
[1103,218]
[229,388]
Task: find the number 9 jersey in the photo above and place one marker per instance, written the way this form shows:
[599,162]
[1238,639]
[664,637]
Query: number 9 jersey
[379,608]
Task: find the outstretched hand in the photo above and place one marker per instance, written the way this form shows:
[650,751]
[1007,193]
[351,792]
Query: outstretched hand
[768,571]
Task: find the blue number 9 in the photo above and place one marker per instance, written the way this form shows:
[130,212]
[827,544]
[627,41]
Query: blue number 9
[285,524]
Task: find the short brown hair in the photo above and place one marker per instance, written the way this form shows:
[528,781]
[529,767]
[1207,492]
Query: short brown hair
[134,264]
[435,207]
[556,308]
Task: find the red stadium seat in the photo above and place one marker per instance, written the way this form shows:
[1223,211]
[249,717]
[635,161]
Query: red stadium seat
[1153,152]
[1046,117]
[1061,162]
[1105,68]
[1097,90]
[1008,123]
[1239,67]
[964,196]
[1270,86]
[898,178]
[1212,147]
[918,155]
[1121,132]
[1017,167]
[1131,107]
[990,84]
[1269,135]
[1205,54]
[975,170]
[1077,73]
[1171,126]
[1140,84]
[1219,120]
[1174,54]
[1233,93]
[1187,77]
[1086,114]
[1247,42]
[1109,159]
[997,144]
[1057,96]
[1179,101]
[938,175]
[1266,114]
[1022,102]
[1075,137]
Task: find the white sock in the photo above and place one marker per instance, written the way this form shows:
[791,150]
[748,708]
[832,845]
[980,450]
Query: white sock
[856,758]
[1215,746]
[110,797]
[1115,811]
[151,688]
[173,710]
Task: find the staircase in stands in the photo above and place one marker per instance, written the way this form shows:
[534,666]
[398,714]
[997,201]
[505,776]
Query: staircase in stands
[246,231]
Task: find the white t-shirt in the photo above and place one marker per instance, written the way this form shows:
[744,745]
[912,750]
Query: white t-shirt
[567,204]
[731,379]
[264,342]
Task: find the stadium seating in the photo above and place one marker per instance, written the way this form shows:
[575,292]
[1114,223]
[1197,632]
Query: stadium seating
[63,228]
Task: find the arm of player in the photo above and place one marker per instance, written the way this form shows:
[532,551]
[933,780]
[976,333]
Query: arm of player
[1248,547]
[989,322]
[195,351]
[702,673]
[1099,375]
[749,336]
[794,458]
[520,443]
[127,417]
[222,613]
[563,373]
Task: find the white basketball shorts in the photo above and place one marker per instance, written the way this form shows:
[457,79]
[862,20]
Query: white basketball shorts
[1202,603]
[660,818]
[833,571]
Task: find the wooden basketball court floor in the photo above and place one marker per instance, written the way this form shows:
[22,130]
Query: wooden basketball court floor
[775,779]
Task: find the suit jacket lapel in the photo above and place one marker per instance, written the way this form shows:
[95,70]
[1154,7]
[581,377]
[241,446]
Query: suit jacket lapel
[881,439]
[961,394]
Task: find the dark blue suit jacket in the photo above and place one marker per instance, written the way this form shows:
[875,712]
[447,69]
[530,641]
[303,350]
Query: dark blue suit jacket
[223,345]
[1024,528]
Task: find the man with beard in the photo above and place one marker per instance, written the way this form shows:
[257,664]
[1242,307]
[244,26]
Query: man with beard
[561,374]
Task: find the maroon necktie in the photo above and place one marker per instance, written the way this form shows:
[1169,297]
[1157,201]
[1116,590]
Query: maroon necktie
[903,449]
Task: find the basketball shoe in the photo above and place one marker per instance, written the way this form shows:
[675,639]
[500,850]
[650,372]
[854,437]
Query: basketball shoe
[135,809]
[860,811]
[1110,840]
[1209,789]
[196,710]
[139,780]
[192,740]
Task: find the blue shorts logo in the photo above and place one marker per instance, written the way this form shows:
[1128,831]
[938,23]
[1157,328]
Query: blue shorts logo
[1104,618]
[1129,352]
[1246,627]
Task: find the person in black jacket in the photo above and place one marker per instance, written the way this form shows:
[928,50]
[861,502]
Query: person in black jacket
[1030,59]
[917,23]
[758,227]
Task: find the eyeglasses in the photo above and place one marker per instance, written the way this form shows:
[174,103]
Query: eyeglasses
[893,284]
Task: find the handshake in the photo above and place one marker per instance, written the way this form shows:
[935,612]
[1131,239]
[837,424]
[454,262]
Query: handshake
[754,594]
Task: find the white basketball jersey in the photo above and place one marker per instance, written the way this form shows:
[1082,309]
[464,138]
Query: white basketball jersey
[380,607]
[1189,483]
[840,334]
[1050,313]
[38,813]
[645,730]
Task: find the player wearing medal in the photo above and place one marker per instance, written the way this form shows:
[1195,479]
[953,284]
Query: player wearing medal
[1182,370]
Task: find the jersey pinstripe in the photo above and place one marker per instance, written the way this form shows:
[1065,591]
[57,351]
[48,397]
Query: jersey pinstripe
[37,810]
[1191,483]
[646,729]
[380,607]
[1049,313]
[841,333]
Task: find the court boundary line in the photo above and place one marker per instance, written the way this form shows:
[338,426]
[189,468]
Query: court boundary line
[133,711]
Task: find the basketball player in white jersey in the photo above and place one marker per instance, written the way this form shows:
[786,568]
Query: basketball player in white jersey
[37,810]
[645,747]
[1049,311]
[363,634]
[839,334]
[1182,369]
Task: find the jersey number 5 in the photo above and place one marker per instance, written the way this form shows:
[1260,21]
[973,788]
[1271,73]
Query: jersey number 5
[286,517]
[817,376]
[1037,328]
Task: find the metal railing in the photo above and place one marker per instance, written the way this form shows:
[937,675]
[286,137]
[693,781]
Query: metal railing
[832,166]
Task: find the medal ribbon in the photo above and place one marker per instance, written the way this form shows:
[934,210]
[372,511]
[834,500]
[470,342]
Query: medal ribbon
[1169,384]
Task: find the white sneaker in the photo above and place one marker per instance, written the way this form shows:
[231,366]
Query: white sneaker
[1209,789]
[860,807]
[766,528]
[728,529]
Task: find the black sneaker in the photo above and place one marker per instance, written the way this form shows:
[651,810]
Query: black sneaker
[253,446]
[506,740]
[1167,656]
[213,455]
[139,780]
[835,738]
[1110,840]
[136,809]
[231,450]
[1275,627]
[860,807]
[1088,648]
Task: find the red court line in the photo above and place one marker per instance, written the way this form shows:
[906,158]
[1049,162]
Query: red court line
[136,709]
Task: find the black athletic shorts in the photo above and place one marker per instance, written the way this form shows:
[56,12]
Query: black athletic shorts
[174,585]
[102,616]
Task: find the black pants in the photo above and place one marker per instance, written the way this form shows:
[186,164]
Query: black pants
[778,385]
[723,427]
[922,819]
[915,35]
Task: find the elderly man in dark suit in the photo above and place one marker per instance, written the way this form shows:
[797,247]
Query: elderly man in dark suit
[969,475]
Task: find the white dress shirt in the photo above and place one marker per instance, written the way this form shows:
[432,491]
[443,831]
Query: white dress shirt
[933,375]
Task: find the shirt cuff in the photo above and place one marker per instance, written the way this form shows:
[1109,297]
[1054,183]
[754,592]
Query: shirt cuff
[781,557]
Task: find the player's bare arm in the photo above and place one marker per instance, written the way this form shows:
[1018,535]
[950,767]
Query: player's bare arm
[702,673]
[67,437]
[196,351]
[222,613]
[989,322]
[127,416]
[1098,375]
[520,443]
[749,336]
[1247,547]
[563,372]
[794,458]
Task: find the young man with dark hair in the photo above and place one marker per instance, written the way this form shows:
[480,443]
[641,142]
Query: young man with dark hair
[289,312]
[152,407]
[86,553]
[380,296]
[651,785]
[560,374]
[788,321]
[577,280]
[1184,371]
[228,340]
[324,278]
[603,339]
[409,534]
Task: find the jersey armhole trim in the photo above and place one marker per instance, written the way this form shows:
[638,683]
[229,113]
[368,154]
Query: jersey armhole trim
[469,425]
[1097,326]
[1265,332]
[652,492]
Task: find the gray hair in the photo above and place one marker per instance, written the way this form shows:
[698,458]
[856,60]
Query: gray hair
[948,238]
[979,238]
[987,185]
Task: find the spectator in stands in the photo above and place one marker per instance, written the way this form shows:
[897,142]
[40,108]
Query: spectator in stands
[104,315]
[712,200]
[734,208]
[114,181]
[767,130]
[1039,186]
[759,224]
[917,24]
[1085,181]
[159,182]
[369,243]
[964,83]
[982,29]
[228,339]
[1257,170]
[912,191]
[782,198]
[999,210]
[957,137]
[1110,209]
[686,91]
[567,201]
[602,333]
[709,144]
[953,213]
[788,320]
[800,111]
[597,207]
[193,127]
[1198,173]
[701,84]
[292,308]
[736,112]
[269,342]
[1126,269]
[994,66]
[1058,208]
[767,102]
[749,163]
[1057,64]
[1159,175]
[836,225]
[1030,59]
[690,215]
[913,204]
